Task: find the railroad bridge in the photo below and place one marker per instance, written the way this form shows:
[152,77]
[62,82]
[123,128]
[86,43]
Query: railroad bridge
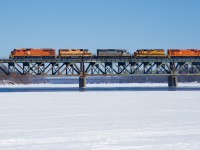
[93,66]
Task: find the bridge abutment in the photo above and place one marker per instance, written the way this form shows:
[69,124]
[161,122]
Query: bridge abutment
[172,81]
[82,82]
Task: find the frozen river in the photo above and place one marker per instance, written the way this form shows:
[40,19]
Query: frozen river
[128,120]
[99,87]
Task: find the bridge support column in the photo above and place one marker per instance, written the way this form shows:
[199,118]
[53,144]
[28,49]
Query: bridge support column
[172,81]
[82,82]
[82,78]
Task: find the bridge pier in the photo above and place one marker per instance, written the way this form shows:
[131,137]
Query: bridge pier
[172,81]
[82,82]
[82,78]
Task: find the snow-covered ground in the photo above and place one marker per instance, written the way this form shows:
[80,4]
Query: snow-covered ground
[141,120]
[192,84]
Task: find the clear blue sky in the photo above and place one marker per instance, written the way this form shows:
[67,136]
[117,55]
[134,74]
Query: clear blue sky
[92,24]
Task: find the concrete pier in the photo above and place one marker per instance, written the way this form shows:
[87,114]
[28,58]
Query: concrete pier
[172,81]
[82,82]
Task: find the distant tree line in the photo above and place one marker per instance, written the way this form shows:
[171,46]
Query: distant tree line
[122,79]
[16,78]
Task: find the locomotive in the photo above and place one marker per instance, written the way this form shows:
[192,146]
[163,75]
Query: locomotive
[179,53]
[33,53]
[50,53]
[141,53]
[64,53]
[112,53]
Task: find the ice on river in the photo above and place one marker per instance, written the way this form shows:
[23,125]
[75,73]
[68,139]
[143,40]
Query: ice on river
[191,84]
[135,120]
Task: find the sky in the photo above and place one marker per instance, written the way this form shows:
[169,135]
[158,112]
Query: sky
[94,24]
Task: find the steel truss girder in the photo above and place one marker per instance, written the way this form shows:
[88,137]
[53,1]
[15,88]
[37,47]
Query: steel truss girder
[96,68]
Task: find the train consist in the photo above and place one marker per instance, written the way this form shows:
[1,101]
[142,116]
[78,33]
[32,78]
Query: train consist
[49,53]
